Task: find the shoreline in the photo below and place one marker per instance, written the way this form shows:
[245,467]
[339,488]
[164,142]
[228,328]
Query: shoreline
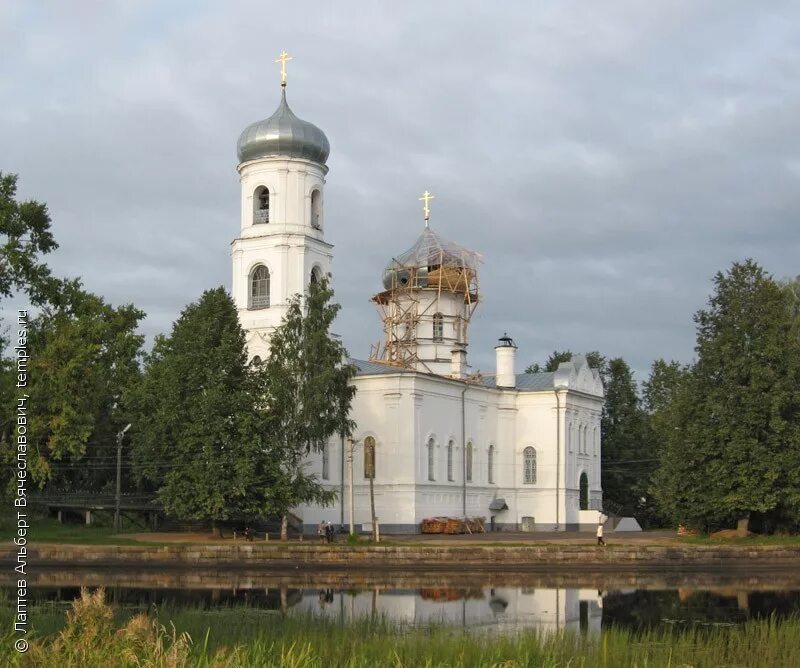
[768,578]
[293,556]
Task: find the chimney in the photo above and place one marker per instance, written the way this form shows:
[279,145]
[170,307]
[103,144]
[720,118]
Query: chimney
[458,361]
[506,352]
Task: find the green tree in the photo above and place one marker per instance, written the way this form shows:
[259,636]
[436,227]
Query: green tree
[83,355]
[24,237]
[735,450]
[308,393]
[659,398]
[792,290]
[199,433]
[626,465]
[594,358]
[555,358]
[661,388]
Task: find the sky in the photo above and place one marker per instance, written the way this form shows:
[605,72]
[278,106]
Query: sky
[606,159]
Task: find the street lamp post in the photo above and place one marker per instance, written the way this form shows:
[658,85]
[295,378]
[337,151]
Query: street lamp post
[350,452]
[118,496]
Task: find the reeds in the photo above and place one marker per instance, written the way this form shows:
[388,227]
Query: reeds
[249,638]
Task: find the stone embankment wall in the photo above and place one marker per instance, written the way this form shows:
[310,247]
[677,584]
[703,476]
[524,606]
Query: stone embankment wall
[250,577]
[622,557]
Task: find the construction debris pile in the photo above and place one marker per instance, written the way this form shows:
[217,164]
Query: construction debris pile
[453,525]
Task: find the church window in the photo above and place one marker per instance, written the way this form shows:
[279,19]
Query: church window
[431,460]
[469,462]
[259,287]
[369,457]
[316,210]
[450,461]
[261,206]
[490,465]
[529,466]
[584,491]
[255,361]
[438,326]
[569,436]
[594,441]
[584,447]
[326,462]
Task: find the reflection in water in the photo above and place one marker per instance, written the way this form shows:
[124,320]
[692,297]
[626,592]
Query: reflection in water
[505,609]
[501,608]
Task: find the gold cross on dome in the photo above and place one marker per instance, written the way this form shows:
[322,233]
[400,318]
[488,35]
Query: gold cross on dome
[426,197]
[283,59]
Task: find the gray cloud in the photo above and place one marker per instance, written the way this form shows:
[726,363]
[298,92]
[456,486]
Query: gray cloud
[606,160]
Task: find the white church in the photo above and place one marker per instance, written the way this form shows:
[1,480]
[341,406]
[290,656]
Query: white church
[521,450]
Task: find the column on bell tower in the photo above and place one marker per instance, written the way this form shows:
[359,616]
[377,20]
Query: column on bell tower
[281,244]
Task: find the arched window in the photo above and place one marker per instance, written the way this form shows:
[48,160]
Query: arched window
[255,361]
[261,206]
[326,462]
[438,327]
[584,446]
[259,287]
[529,466]
[316,210]
[431,460]
[316,275]
[584,488]
[450,461]
[594,441]
[468,455]
[490,465]
[369,457]
[569,436]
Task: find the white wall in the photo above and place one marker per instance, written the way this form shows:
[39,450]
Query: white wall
[402,411]
[289,246]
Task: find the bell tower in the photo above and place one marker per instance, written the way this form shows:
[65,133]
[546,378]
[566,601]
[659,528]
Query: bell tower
[281,247]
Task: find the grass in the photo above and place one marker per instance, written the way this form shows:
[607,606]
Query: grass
[780,539]
[94,634]
[47,530]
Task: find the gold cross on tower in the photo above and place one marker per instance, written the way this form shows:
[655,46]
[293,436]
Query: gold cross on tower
[282,59]
[426,197]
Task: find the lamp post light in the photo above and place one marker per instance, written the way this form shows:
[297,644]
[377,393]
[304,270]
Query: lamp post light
[350,452]
[118,496]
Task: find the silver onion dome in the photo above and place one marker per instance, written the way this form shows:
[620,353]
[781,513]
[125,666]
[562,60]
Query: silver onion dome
[283,134]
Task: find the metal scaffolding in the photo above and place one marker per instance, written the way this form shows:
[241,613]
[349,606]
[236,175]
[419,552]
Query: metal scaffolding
[414,284]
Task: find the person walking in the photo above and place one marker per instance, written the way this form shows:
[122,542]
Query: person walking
[600,540]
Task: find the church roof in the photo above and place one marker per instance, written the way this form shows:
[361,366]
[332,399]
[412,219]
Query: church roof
[435,262]
[364,368]
[283,135]
[432,248]
[527,381]
[530,382]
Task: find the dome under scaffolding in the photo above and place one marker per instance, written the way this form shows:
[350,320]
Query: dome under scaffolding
[430,292]
[434,263]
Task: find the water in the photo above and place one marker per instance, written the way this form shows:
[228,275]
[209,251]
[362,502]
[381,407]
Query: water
[501,602]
